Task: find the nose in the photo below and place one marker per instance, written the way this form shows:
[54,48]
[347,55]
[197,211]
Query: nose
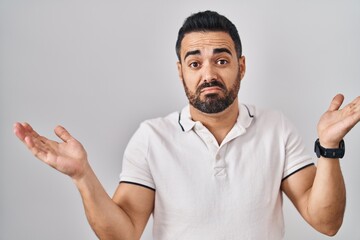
[209,73]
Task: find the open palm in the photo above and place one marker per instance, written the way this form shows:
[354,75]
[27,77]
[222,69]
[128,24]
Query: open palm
[335,123]
[68,157]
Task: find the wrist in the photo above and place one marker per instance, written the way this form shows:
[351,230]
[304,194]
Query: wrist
[83,177]
[329,144]
[329,152]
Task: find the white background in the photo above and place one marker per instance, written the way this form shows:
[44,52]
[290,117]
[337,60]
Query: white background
[101,67]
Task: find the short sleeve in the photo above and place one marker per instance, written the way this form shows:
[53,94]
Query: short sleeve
[296,156]
[135,167]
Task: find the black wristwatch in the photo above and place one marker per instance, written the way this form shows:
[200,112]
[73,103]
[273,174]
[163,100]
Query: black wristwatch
[330,152]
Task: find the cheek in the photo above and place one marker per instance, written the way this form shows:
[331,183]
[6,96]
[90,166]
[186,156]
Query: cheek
[229,77]
[192,80]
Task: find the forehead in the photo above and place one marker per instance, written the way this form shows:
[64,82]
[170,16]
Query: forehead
[206,41]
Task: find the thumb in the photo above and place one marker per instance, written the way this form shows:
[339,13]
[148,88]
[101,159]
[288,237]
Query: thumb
[62,133]
[336,102]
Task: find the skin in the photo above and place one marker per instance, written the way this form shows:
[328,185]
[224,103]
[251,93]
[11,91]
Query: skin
[206,65]
[122,217]
[317,193]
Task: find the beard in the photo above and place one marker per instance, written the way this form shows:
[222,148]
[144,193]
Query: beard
[213,102]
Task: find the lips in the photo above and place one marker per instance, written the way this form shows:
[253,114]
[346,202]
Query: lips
[211,86]
[211,89]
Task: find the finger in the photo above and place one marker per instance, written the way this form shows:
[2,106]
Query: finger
[40,141]
[19,131]
[38,153]
[39,149]
[356,102]
[350,121]
[30,129]
[336,102]
[37,142]
[36,136]
[63,134]
[353,107]
[22,130]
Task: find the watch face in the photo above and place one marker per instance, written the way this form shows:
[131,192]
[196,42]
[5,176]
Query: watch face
[317,148]
[342,144]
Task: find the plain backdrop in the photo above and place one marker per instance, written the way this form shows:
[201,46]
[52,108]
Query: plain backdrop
[101,67]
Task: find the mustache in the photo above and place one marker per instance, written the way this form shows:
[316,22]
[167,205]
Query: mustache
[213,83]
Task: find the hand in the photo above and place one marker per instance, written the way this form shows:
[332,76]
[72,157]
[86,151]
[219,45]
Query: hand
[336,123]
[68,157]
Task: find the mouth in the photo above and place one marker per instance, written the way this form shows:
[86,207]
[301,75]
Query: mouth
[211,90]
[213,87]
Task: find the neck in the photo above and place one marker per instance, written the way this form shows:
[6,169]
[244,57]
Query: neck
[219,124]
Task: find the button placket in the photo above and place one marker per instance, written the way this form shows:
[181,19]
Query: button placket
[220,165]
[218,152]
[207,137]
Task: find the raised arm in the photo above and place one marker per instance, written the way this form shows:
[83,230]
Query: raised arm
[123,217]
[319,193]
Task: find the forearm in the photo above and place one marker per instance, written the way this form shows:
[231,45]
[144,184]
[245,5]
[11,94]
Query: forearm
[327,197]
[106,218]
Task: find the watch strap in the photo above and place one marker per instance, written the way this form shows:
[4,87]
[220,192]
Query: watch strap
[330,152]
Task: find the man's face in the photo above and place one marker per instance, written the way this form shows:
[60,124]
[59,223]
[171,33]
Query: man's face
[210,70]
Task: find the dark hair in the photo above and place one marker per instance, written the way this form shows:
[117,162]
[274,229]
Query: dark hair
[208,21]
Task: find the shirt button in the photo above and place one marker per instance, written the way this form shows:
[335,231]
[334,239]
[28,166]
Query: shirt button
[217,157]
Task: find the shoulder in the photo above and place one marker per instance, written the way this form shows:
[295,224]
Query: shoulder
[153,130]
[262,115]
[270,121]
[160,125]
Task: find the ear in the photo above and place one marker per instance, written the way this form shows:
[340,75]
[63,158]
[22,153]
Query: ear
[179,67]
[242,66]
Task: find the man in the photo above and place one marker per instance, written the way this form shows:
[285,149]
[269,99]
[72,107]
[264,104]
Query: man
[216,169]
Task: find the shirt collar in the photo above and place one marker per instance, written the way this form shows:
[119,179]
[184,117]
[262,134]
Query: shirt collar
[246,116]
[185,121]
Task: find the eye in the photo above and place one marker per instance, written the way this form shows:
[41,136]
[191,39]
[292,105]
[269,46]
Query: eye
[221,61]
[194,65]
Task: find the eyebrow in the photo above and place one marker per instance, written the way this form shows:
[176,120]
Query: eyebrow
[215,51]
[195,52]
[222,50]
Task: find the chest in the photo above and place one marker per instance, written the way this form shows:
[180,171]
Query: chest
[244,173]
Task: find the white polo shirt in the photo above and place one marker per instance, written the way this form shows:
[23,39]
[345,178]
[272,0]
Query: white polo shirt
[207,191]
